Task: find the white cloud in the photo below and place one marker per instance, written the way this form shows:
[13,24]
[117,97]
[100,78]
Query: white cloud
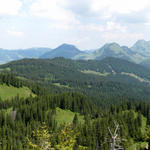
[120,6]
[124,38]
[82,40]
[10,7]
[115,26]
[73,12]
[15,33]
[91,27]
[147,24]
[52,9]
[61,26]
[84,22]
[108,26]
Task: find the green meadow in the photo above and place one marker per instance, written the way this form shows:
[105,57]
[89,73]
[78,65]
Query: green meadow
[8,92]
[66,116]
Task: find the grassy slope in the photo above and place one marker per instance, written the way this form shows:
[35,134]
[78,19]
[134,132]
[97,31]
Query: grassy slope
[95,73]
[66,116]
[61,86]
[7,92]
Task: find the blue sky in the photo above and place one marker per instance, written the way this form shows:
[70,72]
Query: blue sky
[88,24]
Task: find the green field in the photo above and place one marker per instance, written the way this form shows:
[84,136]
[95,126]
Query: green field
[95,73]
[8,92]
[61,86]
[5,69]
[66,116]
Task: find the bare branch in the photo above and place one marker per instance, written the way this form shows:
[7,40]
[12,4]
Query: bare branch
[110,132]
[115,141]
[117,126]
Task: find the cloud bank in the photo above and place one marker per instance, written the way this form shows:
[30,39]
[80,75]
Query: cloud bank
[87,23]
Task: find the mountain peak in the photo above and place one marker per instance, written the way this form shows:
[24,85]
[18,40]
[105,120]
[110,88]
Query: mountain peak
[68,46]
[111,44]
[113,50]
[142,46]
[141,42]
[112,47]
[64,50]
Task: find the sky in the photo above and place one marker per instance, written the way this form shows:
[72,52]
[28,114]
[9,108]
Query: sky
[88,24]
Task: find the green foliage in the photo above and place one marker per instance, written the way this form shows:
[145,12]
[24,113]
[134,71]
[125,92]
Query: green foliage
[67,116]
[23,117]
[8,92]
[40,139]
[123,78]
[30,112]
[66,138]
[75,120]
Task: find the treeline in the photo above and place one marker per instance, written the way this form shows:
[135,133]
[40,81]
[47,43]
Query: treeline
[20,117]
[31,112]
[10,79]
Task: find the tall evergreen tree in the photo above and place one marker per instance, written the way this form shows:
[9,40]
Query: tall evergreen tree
[75,120]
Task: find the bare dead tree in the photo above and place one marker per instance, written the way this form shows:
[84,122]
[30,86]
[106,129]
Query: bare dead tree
[114,139]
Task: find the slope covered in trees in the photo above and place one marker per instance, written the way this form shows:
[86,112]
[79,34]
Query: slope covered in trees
[21,120]
[31,112]
[103,80]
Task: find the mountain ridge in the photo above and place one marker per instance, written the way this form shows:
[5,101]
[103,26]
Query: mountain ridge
[64,50]
[138,53]
[142,47]
[10,55]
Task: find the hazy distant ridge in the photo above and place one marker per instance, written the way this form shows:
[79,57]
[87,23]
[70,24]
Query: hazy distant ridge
[138,53]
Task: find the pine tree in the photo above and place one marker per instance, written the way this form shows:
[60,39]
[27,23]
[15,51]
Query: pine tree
[75,120]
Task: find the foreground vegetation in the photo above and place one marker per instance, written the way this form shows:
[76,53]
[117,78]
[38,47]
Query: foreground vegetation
[16,128]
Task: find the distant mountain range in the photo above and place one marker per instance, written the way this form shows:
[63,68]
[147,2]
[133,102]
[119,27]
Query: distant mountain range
[10,55]
[139,53]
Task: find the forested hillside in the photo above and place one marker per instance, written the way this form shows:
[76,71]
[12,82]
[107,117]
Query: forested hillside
[109,79]
[146,63]
[25,123]
[77,100]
